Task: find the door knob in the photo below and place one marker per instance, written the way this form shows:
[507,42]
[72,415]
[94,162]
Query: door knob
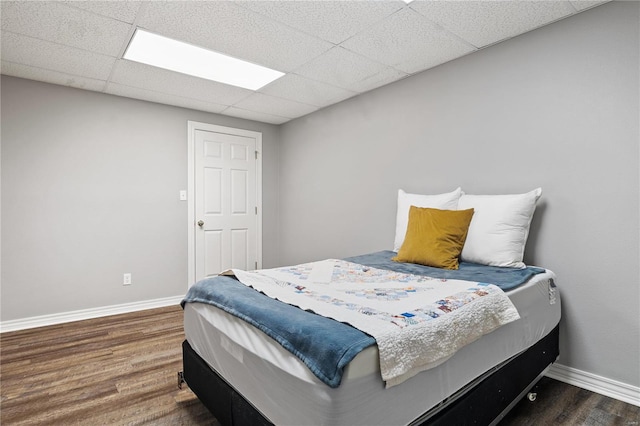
[200,223]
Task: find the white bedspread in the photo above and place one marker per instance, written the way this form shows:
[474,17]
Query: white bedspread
[418,322]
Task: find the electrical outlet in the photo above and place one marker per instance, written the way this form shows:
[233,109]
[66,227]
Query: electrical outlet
[126,279]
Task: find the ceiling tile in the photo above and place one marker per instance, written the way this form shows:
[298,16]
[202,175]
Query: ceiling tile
[342,68]
[233,30]
[55,22]
[482,23]
[331,49]
[146,77]
[409,42]
[301,89]
[163,98]
[386,76]
[586,4]
[54,77]
[277,106]
[334,21]
[124,11]
[256,116]
[56,57]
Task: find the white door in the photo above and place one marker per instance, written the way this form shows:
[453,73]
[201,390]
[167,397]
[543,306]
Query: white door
[225,200]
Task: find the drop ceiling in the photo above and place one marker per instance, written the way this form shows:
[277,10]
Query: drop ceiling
[329,50]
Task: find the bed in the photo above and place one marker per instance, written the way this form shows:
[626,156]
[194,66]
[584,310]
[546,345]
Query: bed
[245,375]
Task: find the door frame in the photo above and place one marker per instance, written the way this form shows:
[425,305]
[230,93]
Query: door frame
[192,126]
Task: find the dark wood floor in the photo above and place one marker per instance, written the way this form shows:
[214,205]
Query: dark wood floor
[114,370]
[123,370]
[558,403]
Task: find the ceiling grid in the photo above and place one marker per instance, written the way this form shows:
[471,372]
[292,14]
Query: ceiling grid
[329,50]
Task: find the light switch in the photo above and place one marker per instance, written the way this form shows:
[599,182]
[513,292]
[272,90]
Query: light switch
[183,195]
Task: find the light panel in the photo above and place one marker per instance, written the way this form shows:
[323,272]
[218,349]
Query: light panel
[163,52]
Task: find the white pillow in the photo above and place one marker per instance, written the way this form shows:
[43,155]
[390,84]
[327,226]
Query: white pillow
[499,228]
[448,201]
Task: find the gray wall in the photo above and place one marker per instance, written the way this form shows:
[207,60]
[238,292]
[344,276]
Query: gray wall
[90,188]
[556,108]
[90,181]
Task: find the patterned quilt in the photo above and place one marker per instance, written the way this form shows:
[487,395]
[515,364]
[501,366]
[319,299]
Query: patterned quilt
[418,321]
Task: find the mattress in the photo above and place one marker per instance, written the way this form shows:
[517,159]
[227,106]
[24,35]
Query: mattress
[282,388]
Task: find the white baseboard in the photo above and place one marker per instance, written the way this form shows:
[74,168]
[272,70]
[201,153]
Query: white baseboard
[602,385]
[44,320]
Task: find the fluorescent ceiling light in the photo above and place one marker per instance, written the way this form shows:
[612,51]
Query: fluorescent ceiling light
[163,52]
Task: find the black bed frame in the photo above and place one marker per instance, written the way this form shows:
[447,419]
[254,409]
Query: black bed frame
[483,402]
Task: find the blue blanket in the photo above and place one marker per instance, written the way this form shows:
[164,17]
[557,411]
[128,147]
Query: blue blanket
[324,345]
[505,278]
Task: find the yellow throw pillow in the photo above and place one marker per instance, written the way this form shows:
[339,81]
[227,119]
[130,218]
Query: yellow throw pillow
[435,237]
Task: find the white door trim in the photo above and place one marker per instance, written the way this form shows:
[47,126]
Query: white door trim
[191,219]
